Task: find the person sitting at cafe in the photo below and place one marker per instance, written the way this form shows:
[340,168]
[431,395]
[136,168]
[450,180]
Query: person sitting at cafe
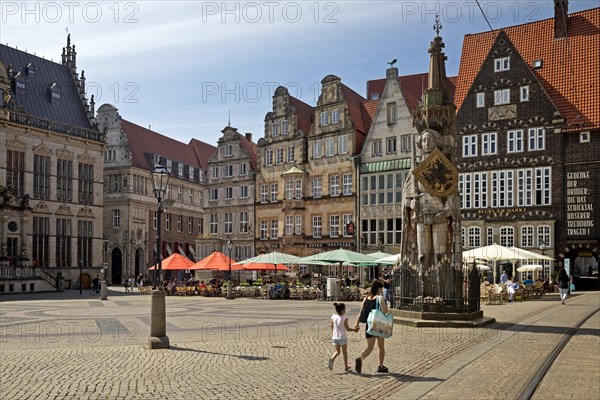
[512,285]
[485,281]
[546,285]
[528,281]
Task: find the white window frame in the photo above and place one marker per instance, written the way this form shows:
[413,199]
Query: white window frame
[392,116]
[334,226]
[474,236]
[116,218]
[489,144]
[229,171]
[291,157]
[480,99]
[274,192]
[180,223]
[377,147]
[243,169]
[275,129]
[507,236]
[317,189]
[298,194]
[316,226]
[284,127]
[228,217]
[536,139]
[527,236]
[264,230]
[329,147]
[524,93]
[406,143]
[469,146]
[347,185]
[289,225]
[501,64]
[342,144]
[324,119]
[229,193]
[289,189]
[390,145]
[298,225]
[214,223]
[264,194]
[514,141]
[269,157]
[279,156]
[334,185]
[335,116]
[228,150]
[317,148]
[190,224]
[274,231]
[501,96]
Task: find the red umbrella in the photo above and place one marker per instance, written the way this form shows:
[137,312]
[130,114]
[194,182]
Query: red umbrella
[264,267]
[175,262]
[217,261]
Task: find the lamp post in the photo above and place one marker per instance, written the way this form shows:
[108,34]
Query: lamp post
[104,270]
[229,281]
[158,323]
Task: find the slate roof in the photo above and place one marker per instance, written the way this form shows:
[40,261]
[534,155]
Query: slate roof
[143,141]
[570,72]
[412,87]
[35,100]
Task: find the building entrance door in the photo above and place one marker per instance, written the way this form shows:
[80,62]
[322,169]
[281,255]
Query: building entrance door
[116,275]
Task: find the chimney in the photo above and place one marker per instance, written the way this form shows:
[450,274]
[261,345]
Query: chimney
[249,136]
[561,18]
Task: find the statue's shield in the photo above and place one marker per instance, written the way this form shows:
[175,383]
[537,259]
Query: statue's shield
[437,174]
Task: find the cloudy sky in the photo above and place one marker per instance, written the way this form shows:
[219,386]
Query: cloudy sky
[182,67]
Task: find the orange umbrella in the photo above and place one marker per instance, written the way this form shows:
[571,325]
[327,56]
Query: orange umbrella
[175,262]
[217,261]
[264,267]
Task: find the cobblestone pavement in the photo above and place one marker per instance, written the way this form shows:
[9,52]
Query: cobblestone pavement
[61,346]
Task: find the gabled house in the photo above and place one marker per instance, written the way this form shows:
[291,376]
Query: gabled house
[282,176]
[528,124]
[229,197]
[130,206]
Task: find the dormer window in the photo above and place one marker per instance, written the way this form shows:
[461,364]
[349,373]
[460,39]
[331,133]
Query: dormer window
[537,64]
[30,70]
[501,64]
[54,93]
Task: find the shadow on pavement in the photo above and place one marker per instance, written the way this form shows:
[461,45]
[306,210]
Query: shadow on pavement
[401,377]
[249,358]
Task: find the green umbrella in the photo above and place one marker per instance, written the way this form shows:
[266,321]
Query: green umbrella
[338,256]
[272,258]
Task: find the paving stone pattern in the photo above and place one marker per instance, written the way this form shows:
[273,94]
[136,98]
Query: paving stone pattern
[63,347]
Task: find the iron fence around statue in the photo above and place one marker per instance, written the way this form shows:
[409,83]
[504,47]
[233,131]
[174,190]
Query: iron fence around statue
[440,289]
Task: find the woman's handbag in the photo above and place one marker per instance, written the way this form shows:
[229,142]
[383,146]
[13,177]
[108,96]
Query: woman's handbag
[378,323]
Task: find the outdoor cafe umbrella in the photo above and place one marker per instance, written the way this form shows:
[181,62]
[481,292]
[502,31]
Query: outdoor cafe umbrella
[216,261]
[493,253]
[530,255]
[175,262]
[256,266]
[338,256]
[272,258]
[275,259]
[391,259]
[529,268]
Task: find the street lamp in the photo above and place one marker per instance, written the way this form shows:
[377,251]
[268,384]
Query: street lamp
[229,285]
[158,323]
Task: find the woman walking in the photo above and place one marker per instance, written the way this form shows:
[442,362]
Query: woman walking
[369,303]
[563,284]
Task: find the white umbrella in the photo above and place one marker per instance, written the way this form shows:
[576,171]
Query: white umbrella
[529,268]
[483,268]
[493,253]
[530,255]
[393,259]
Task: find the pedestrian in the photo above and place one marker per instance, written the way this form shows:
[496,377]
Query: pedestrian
[563,284]
[126,284]
[503,277]
[339,326]
[386,278]
[368,304]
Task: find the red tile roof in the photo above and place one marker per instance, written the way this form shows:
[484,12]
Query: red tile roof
[355,111]
[412,87]
[570,72]
[304,114]
[250,147]
[143,141]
